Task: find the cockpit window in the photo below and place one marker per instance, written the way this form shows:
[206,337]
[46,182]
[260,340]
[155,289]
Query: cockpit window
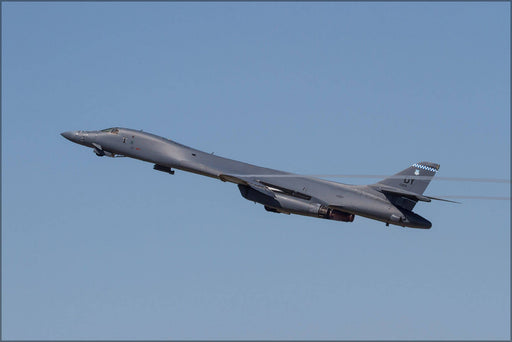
[111,130]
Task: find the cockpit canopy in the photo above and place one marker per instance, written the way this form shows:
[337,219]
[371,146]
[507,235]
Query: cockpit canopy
[113,130]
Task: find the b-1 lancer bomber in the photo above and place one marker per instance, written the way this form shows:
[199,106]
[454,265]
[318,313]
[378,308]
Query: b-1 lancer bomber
[391,200]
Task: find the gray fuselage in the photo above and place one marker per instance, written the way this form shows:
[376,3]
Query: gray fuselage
[296,194]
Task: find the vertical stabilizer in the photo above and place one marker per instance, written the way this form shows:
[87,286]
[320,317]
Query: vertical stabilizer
[415,178]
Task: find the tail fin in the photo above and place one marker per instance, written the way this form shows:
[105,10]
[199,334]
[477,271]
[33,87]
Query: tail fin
[414,179]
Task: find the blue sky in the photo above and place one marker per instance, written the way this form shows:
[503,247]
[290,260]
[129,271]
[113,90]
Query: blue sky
[98,248]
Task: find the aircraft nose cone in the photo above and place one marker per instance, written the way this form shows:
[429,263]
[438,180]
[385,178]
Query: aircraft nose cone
[68,135]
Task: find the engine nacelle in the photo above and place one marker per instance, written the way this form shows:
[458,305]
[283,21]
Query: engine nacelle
[272,210]
[291,205]
[334,214]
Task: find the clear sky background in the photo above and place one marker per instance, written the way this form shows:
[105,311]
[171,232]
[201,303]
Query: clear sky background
[100,248]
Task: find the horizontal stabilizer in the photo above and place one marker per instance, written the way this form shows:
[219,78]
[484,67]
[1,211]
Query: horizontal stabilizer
[442,199]
[404,193]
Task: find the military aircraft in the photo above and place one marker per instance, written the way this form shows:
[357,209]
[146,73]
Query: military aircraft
[391,200]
